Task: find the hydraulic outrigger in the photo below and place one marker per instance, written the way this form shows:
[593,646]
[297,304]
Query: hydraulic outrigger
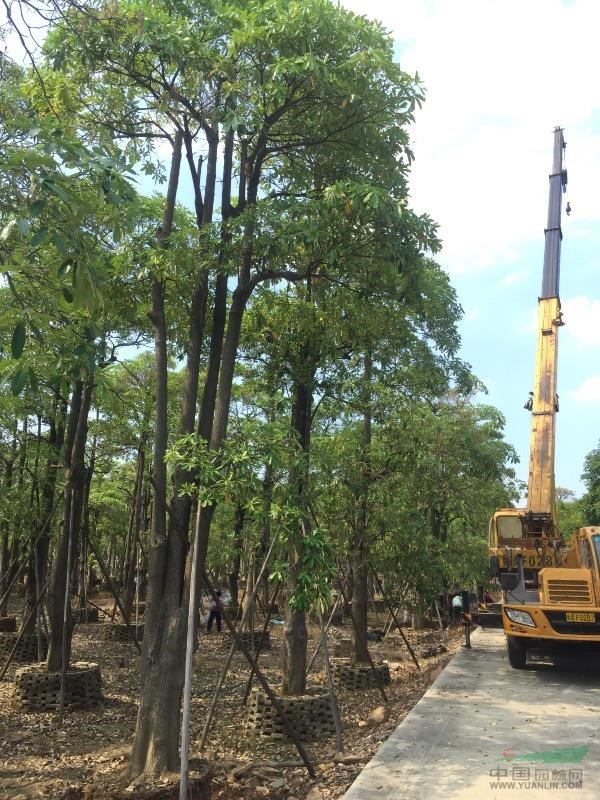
[551,589]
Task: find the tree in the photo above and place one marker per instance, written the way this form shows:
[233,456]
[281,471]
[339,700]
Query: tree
[590,502]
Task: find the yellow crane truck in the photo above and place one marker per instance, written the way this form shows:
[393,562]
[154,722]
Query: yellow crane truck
[551,589]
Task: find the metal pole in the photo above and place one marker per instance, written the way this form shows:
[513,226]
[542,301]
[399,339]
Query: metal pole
[553,233]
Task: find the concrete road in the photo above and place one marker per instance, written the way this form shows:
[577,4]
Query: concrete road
[484,731]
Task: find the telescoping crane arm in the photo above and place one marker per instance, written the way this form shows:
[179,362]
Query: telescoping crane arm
[540,513]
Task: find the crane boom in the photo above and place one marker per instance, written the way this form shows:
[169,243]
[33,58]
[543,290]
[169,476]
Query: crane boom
[540,513]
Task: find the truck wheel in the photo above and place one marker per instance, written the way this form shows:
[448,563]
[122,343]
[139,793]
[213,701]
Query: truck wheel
[517,652]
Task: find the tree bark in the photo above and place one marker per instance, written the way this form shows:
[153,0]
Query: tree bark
[155,747]
[75,474]
[238,543]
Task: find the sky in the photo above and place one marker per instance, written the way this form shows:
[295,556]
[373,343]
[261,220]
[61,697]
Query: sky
[499,76]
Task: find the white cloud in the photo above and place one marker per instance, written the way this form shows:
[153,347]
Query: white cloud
[589,391]
[473,315]
[582,318]
[513,277]
[499,77]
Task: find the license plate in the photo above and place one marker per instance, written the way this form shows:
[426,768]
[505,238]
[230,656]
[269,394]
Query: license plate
[573,616]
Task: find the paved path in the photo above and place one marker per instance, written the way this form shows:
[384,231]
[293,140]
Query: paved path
[458,741]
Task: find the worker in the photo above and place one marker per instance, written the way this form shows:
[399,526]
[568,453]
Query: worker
[457,607]
[215,609]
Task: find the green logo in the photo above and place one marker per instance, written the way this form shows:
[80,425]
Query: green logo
[565,755]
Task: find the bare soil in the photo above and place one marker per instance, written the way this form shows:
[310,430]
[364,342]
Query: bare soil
[88,756]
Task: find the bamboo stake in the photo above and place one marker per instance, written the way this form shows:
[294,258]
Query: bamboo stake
[225,670]
[354,622]
[289,728]
[22,631]
[339,737]
[261,639]
[318,647]
[113,591]
[25,559]
[66,610]
[406,642]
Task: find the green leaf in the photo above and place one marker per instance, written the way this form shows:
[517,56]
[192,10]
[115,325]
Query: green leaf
[37,333]
[39,237]
[64,267]
[33,381]
[18,340]
[36,208]
[18,381]
[23,225]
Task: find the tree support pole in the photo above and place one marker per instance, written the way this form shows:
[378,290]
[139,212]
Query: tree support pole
[406,642]
[323,633]
[339,737]
[247,613]
[22,631]
[113,591]
[32,548]
[377,676]
[261,639]
[289,728]
[66,609]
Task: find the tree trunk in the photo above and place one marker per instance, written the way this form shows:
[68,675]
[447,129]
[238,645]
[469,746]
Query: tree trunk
[155,747]
[6,573]
[129,594]
[75,474]
[238,543]
[295,635]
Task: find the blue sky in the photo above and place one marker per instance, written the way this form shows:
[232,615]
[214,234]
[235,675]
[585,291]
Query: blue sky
[499,77]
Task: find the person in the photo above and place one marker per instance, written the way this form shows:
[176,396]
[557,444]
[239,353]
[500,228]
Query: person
[457,607]
[214,614]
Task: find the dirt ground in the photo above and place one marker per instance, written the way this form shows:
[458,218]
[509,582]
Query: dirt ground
[39,760]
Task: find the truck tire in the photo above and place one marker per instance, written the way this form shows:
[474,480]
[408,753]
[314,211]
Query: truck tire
[517,652]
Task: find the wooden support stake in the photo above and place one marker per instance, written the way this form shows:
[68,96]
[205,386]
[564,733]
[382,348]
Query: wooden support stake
[406,642]
[339,737]
[247,613]
[318,647]
[377,676]
[289,728]
[22,631]
[113,591]
[261,639]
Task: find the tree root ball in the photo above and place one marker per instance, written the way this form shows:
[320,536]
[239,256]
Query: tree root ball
[80,615]
[27,648]
[35,689]
[311,716]
[359,676]
[117,632]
